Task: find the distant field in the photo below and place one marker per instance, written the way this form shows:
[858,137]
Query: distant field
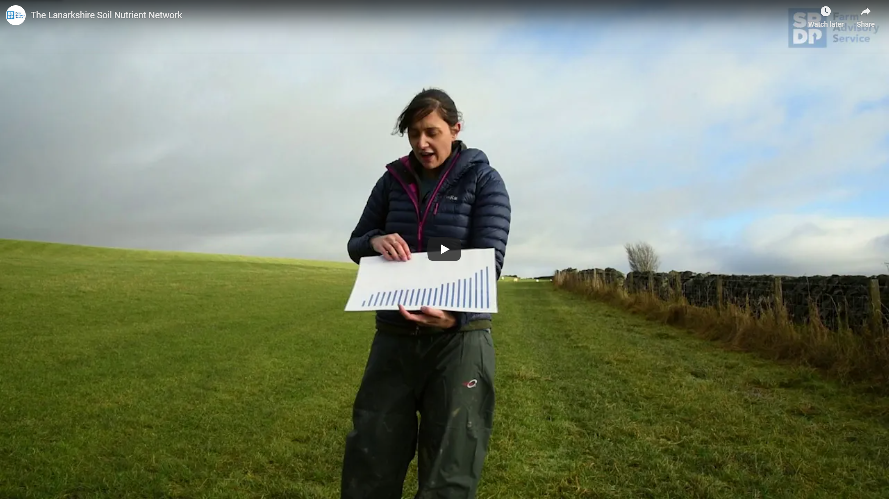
[147,374]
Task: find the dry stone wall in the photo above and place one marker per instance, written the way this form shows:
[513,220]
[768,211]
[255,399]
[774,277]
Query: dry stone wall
[838,299]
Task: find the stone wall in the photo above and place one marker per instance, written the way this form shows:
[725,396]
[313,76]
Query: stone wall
[837,298]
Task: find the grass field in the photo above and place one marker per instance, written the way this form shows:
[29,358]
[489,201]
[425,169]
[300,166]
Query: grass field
[140,374]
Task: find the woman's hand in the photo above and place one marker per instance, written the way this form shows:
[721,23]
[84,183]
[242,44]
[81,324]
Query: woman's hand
[392,247]
[431,317]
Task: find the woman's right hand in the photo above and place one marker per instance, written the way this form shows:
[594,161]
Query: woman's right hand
[392,247]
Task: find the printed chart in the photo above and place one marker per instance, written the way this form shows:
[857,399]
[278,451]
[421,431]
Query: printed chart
[466,285]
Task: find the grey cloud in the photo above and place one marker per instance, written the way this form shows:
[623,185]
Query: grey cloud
[736,259]
[882,244]
[176,146]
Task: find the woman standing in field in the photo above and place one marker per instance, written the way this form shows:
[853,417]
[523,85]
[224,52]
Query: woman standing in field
[435,362]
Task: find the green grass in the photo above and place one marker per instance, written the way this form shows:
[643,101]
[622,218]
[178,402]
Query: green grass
[147,374]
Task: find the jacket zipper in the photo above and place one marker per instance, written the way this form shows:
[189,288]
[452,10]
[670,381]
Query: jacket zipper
[416,201]
[431,198]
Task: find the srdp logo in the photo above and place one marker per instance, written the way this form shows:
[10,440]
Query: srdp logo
[806,30]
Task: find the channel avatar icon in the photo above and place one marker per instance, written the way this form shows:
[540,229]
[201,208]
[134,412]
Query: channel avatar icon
[15,15]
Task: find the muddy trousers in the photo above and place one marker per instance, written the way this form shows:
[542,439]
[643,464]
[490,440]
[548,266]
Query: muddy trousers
[449,379]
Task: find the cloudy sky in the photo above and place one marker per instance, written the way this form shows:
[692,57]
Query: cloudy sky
[697,131]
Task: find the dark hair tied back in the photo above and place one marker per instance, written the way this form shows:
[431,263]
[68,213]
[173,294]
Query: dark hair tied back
[425,102]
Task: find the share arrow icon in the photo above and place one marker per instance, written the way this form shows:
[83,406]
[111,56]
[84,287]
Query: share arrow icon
[865,12]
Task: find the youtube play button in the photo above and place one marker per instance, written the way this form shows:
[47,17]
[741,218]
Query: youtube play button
[443,249]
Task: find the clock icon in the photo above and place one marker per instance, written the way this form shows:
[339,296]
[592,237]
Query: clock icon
[825,11]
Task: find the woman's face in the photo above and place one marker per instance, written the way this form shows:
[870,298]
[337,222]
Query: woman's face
[431,139]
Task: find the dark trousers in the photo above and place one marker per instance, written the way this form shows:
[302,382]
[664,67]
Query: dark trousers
[449,379]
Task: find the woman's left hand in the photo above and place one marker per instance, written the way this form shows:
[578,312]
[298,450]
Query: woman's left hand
[431,317]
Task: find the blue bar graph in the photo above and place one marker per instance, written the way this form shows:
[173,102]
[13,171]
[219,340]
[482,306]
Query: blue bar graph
[469,292]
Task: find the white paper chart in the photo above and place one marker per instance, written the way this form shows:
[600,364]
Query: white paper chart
[466,285]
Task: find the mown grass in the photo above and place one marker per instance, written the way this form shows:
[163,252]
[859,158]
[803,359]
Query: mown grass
[140,374]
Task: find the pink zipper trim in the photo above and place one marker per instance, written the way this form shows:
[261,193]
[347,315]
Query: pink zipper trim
[431,197]
[413,196]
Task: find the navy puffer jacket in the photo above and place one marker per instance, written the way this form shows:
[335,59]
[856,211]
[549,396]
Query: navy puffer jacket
[470,203]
